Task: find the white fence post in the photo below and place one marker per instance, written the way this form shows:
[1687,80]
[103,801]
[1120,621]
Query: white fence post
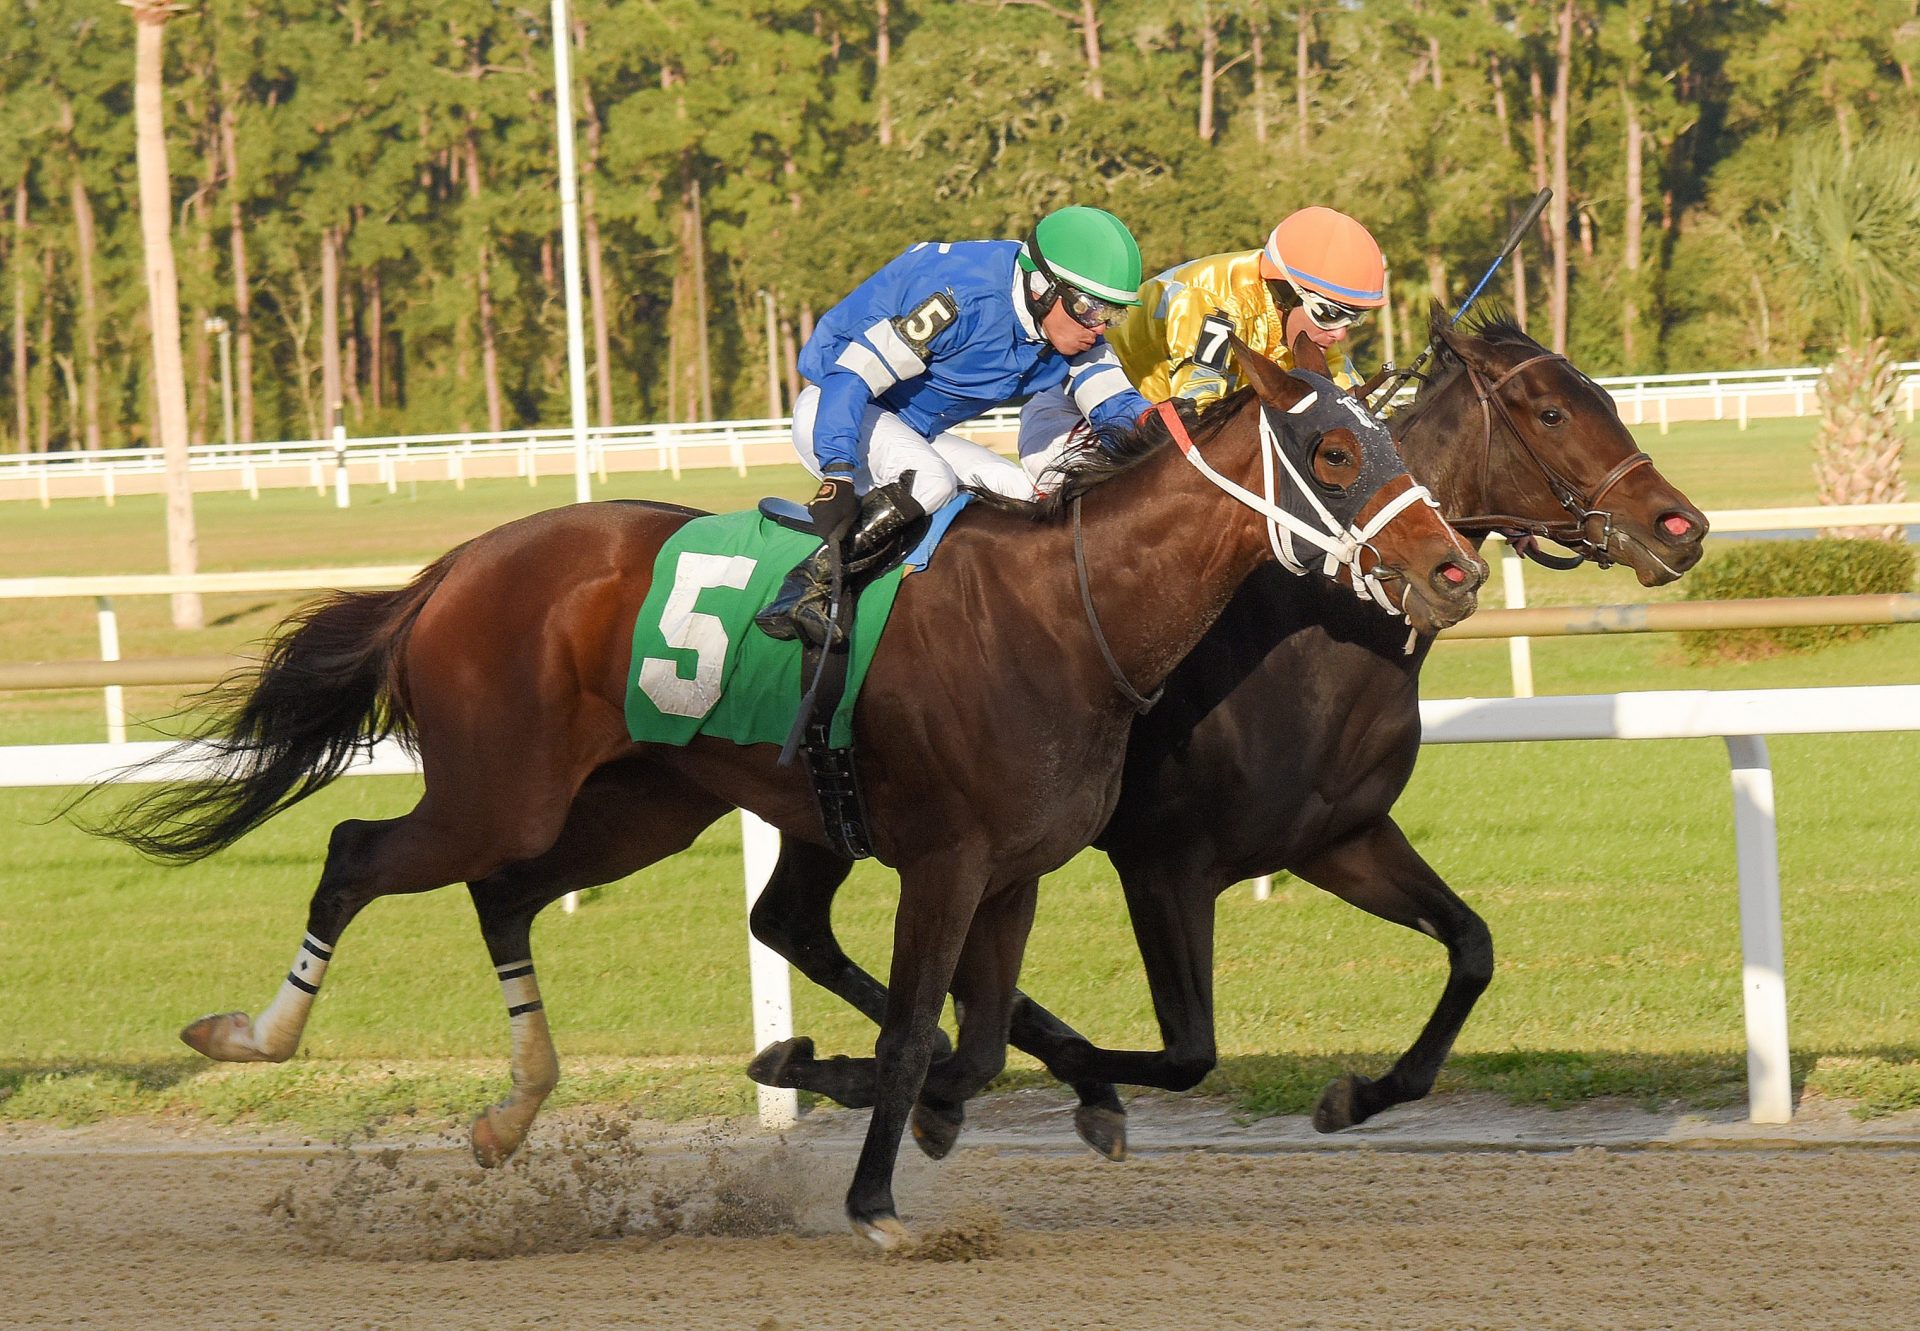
[772,986]
[1762,940]
[116,696]
[1513,580]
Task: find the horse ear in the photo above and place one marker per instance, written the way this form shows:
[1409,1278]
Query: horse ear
[1307,355]
[1445,339]
[1276,387]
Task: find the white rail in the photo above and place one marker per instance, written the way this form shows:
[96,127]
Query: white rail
[1742,718]
[669,446]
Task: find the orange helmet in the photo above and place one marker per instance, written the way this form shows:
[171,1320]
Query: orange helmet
[1320,250]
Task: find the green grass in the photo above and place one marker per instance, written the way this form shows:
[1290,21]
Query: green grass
[1605,870]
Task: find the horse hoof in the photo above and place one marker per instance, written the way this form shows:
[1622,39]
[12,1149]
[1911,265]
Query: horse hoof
[772,1065]
[490,1150]
[934,1132]
[1339,1105]
[1105,1130]
[228,1037]
[886,1232]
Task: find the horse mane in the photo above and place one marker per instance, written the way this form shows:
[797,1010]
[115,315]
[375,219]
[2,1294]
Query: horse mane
[1112,454]
[1493,323]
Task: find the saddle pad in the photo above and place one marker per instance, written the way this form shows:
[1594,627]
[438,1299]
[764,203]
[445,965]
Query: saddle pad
[701,666]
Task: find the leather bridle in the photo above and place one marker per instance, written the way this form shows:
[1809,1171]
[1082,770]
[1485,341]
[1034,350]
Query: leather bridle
[1588,528]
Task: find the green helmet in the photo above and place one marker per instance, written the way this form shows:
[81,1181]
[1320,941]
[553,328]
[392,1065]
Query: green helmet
[1089,249]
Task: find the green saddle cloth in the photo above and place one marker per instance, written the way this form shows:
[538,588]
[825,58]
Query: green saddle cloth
[701,666]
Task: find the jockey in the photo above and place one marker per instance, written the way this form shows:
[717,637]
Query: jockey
[942,333]
[1319,273]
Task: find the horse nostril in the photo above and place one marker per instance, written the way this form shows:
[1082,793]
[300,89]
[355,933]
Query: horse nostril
[1453,578]
[1677,525]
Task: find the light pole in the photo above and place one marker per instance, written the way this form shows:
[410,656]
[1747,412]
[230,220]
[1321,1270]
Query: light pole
[570,249]
[218,327]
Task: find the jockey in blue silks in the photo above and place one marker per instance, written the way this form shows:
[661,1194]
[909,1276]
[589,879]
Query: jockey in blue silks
[941,334]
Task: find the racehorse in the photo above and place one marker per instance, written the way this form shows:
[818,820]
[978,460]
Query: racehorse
[993,722]
[1284,740]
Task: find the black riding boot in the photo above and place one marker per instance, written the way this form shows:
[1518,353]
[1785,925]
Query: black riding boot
[801,610]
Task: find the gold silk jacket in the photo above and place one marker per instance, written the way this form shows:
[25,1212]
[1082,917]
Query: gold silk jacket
[1169,349]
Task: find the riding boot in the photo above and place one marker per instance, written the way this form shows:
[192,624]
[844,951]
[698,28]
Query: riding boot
[803,607]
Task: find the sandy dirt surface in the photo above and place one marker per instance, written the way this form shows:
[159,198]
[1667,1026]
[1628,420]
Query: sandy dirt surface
[1459,1213]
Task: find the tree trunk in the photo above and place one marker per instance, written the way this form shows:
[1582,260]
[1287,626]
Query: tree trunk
[882,56]
[1090,44]
[791,352]
[1562,86]
[1257,22]
[698,237]
[1518,270]
[1630,239]
[1433,60]
[1437,276]
[43,372]
[1537,100]
[163,300]
[242,295]
[21,397]
[489,348]
[331,398]
[85,244]
[376,342]
[1209,62]
[1300,52]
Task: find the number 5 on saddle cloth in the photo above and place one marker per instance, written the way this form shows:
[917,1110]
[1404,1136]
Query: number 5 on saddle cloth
[701,667]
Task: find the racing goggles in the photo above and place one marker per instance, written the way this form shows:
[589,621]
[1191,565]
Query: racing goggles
[1090,311]
[1328,315]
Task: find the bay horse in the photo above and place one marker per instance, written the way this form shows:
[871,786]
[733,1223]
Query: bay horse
[993,723]
[1283,741]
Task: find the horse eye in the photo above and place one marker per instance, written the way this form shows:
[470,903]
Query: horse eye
[1552,416]
[1339,457]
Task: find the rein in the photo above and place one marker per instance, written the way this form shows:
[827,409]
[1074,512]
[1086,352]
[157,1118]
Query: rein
[1141,704]
[1588,530]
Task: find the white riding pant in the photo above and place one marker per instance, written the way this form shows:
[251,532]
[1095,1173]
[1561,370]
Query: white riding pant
[890,448]
[1046,424]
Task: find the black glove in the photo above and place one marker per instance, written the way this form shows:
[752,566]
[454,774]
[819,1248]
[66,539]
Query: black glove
[834,507]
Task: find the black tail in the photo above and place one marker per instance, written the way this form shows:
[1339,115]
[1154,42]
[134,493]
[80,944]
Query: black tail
[329,686]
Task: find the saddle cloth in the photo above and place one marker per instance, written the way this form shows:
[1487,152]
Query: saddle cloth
[700,665]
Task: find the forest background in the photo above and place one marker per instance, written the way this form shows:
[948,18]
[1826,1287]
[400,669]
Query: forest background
[364,190]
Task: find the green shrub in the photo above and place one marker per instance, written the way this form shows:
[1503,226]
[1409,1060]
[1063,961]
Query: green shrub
[1753,569]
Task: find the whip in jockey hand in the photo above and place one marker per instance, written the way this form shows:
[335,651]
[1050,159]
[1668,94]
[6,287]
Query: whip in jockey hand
[1319,273]
[941,334]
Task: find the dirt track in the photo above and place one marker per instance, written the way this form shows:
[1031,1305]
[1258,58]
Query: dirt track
[1814,1225]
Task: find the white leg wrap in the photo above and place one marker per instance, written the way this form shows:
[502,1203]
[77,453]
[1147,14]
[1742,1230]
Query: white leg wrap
[276,1032]
[536,1067]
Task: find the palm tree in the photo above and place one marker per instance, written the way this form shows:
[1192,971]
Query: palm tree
[163,295]
[1850,224]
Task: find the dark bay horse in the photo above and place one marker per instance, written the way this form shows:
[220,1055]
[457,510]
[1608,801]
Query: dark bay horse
[1284,740]
[992,724]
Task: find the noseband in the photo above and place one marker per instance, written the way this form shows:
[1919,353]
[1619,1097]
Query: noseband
[1588,528]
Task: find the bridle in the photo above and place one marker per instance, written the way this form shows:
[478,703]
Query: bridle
[1587,530]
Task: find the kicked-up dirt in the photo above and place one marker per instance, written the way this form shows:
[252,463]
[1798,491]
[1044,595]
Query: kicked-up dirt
[1460,1213]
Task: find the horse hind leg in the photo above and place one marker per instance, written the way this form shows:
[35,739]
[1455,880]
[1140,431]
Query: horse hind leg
[625,817]
[422,849]
[352,864]
[1379,872]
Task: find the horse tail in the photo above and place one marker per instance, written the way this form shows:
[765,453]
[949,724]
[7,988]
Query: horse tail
[331,685]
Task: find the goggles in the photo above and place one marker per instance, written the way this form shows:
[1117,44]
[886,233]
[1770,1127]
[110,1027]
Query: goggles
[1328,315]
[1090,311]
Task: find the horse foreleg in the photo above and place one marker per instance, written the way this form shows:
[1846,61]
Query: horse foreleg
[983,996]
[1383,875]
[938,897]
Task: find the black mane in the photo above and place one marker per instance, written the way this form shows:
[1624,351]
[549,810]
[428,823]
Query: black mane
[1492,323]
[1109,455]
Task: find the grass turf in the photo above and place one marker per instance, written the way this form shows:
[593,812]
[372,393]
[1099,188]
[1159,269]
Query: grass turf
[1605,870]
